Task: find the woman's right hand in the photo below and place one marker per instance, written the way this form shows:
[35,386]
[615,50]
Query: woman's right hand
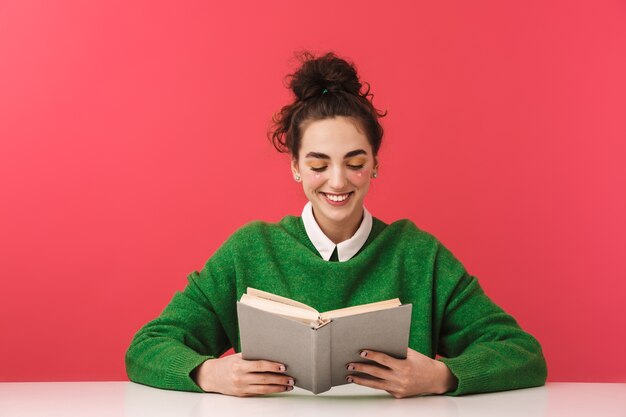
[233,375]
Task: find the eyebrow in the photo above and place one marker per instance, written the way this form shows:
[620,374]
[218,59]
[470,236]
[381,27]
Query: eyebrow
[350,154]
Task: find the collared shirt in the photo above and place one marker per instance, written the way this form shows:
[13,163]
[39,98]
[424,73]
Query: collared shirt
[346,249]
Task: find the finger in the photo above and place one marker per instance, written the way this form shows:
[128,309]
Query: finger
[374,370]
[266,389]
[369,382]
[264,366]
[381,358]
[267,378]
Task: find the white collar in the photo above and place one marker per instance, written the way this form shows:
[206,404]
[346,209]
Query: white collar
[346,249]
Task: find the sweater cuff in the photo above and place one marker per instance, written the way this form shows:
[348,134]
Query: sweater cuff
[178,375]
[470,373]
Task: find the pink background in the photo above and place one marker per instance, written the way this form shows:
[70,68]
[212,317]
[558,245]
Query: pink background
[132,143]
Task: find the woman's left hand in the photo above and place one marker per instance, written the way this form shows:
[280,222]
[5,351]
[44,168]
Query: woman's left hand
[416,375]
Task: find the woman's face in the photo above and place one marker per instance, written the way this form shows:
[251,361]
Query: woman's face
[335,163]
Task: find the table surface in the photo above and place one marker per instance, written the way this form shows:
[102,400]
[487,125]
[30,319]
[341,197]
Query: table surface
[68,399]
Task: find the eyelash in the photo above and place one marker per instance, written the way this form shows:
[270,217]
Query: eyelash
[352,167]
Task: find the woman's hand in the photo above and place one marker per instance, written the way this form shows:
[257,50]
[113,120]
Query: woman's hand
[233,375]
[417,374]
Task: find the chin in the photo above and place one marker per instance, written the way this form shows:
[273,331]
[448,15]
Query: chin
[336,214]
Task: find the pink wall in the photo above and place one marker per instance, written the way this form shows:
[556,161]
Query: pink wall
[132,144]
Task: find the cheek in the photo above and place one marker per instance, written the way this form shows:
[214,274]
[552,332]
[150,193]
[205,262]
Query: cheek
[360,177]
[313,179]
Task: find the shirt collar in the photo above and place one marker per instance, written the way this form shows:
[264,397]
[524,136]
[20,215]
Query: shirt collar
[346,249]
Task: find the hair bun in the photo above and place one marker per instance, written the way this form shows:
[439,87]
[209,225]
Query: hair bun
[326,72]
[313,78]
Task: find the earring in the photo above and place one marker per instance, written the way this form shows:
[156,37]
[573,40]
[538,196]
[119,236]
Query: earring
[374,174]
[296,177]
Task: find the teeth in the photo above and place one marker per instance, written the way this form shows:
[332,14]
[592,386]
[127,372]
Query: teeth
[337,198]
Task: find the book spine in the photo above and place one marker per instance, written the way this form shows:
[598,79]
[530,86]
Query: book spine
[320,357]
[314,361]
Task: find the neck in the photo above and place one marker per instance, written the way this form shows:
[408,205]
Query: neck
[337,232]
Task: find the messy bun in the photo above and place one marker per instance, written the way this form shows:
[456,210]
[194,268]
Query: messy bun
[324,87]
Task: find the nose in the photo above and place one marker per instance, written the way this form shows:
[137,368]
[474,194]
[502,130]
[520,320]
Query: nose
[337,180]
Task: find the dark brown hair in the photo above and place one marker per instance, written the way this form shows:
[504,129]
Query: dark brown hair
[324,87]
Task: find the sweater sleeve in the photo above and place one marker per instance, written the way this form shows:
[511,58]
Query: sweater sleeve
[482,345]
[188,331]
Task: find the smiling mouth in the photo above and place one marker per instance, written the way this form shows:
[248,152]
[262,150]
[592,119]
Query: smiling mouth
[337,199]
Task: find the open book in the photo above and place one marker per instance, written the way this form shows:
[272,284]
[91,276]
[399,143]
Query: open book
[316,347]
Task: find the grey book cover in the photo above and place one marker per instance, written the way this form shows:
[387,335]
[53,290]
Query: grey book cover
[317,358]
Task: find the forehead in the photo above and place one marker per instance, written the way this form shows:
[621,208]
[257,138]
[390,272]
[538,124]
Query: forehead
[334,137]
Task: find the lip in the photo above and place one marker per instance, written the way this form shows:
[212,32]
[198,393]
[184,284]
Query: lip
[337,203]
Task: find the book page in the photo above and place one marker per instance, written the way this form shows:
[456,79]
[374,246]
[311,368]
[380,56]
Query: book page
[284,310]
[363,308]
[269,296]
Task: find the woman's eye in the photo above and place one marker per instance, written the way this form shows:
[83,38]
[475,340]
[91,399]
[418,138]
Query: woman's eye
[355,167]
[318,169]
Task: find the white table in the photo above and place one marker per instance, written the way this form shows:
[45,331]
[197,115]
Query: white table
[83,399]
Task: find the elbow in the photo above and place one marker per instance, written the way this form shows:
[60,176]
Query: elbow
[128,361]
[131,363]
[542,369]
[537,368]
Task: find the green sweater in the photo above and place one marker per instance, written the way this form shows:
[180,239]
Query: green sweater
[452,317]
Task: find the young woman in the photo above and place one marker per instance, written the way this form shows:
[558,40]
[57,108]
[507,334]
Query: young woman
[336,255]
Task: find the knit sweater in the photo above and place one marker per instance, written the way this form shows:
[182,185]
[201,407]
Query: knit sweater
[452,318]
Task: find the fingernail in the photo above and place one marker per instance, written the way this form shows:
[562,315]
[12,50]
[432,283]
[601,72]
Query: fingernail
[290,382]
[363,353]
[281,368]
[349,379]
[288,388]
[350,367]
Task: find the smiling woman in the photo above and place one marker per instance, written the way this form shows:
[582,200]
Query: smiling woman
[336,255]
[335,164]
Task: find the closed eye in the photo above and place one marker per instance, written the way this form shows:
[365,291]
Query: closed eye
[356,167]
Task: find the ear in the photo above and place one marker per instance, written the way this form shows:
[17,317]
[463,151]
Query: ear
[294,167]
[375,168]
